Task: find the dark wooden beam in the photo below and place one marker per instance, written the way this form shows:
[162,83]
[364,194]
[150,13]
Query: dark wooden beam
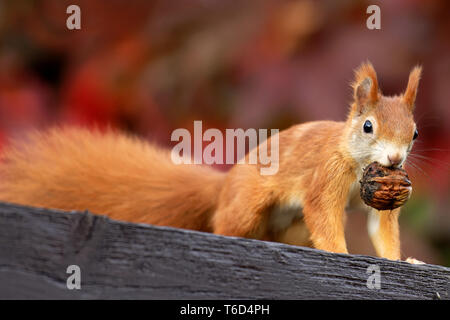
[131,261]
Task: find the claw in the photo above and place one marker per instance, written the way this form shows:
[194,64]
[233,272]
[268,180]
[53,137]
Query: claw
[414,261]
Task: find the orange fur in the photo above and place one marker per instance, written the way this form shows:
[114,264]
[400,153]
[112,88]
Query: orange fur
[411,90]
[320,164]
[366,71]
[108,173]
[386,238]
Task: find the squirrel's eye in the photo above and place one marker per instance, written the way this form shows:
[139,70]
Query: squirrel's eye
[416,134]
[368,127]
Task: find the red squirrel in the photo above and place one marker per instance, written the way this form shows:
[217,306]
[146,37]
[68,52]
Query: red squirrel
[320,165]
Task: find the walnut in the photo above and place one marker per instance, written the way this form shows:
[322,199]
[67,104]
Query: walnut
[384,188]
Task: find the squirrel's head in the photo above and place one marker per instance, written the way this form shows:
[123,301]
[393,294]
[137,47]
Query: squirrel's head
[382,129]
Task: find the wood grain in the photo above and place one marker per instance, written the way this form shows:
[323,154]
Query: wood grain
[128,261]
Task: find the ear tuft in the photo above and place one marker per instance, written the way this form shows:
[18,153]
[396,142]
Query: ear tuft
[409,97]
[365,85]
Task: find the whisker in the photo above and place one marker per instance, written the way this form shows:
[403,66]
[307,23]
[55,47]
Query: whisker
[417,167]
[431,149]
[430,160]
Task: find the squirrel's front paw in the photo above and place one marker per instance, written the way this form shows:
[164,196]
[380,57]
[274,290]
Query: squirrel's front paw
[414,261]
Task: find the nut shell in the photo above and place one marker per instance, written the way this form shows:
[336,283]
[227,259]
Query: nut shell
[384,188]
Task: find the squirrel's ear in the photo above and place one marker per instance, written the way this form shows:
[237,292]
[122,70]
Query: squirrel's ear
[409,97]
[365,86]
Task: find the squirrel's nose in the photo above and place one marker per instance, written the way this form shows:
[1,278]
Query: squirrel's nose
[395,160]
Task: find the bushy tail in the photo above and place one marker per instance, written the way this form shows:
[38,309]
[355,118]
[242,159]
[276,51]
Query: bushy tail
[108,173]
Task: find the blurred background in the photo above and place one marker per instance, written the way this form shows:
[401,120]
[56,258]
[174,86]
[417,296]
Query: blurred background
[149,67]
